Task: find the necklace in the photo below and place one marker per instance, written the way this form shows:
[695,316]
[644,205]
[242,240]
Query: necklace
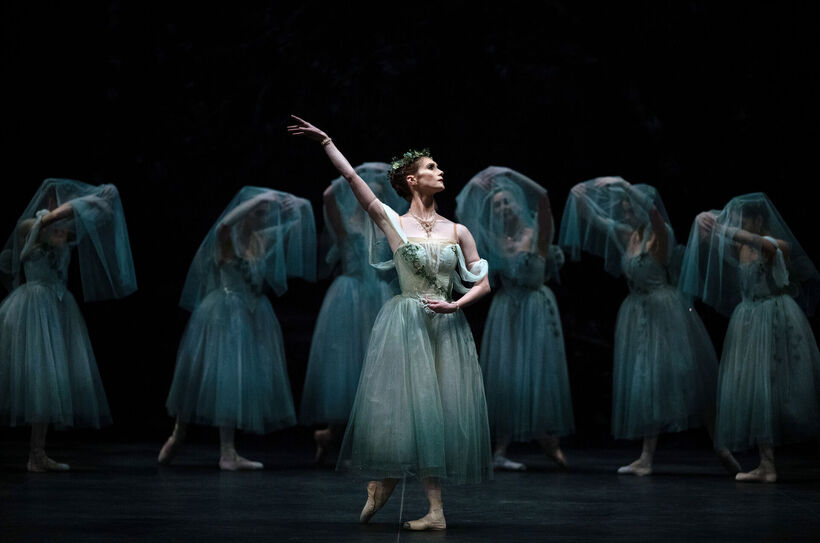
[426,224]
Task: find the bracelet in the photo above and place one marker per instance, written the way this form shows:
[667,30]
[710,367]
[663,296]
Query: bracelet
[326,141]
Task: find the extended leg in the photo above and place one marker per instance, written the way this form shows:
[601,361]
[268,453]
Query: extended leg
[37,459]
[378,492]
[172,445]
[730,464]
[551,446]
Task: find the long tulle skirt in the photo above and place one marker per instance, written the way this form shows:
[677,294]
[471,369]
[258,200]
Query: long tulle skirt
[231,367]
[48,373]
[525,367]
[420,406]
[338,348]
[665,370]
[769,383]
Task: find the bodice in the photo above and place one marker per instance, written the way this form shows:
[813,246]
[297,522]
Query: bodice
[756,280]
[425,267]
[643,273]
[46,265]
[524,270]
[240,276]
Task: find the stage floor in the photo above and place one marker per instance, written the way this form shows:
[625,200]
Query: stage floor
[116,492]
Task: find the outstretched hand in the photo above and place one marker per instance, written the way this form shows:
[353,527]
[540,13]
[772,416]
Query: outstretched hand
[304,128]
[706,223]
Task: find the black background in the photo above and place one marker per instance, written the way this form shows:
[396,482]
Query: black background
[179,106]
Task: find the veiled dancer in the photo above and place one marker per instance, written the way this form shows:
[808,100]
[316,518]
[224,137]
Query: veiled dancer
[48,373]
[522,349]
[665,369]
[230,370]
[420,404]
[743,260]
[349,308]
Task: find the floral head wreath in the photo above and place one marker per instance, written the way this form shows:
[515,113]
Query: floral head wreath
[399,163]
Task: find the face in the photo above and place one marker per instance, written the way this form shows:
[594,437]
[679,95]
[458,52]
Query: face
[55,236]
[504,205]
[429,179]
[629,213]
[256,218]
[752,223]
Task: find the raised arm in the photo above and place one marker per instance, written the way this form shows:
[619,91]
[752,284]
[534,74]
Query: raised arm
[707,223]
[363,194]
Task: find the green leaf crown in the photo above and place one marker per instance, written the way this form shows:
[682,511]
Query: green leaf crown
[408,158]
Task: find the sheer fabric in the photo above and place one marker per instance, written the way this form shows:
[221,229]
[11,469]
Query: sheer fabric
[230,367]
[745,260]
[48,373]
[522,351]
[665,366]
[420,406]
[351,304]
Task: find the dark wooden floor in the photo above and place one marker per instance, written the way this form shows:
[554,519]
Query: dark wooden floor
[116,492]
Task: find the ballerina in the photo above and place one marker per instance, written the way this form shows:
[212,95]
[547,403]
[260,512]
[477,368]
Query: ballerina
[230,370]
[522,349]
[745,261]
[48,373]
[420,404]
[665,370]
[349,308]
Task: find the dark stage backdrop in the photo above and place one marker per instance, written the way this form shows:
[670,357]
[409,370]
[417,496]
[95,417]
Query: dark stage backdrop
[179,106]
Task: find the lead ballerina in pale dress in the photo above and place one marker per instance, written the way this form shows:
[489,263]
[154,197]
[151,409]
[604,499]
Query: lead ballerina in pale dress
[349,308]
[48,373]
[420,406]
[230,370]
[522,349]
[665,368]
[744,261]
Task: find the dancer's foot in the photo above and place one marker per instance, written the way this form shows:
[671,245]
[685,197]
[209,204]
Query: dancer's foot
[377,495]
[557,456]
[730,464]
[758,475]
[502,462]
[322,439]
[434,520]
[169,450]
[638,467]
[237,463]
[38,462]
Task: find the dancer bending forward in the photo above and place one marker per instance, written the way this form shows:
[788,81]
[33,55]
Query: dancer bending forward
[420,406]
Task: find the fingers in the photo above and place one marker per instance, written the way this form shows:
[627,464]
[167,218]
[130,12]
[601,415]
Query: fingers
[302,121]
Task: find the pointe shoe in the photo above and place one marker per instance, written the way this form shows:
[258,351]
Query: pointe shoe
[40,463]
[558,457]
[502,462]
[237,463]
[757,476]
[434,520]
[377,496]
[730,464]
[635,468]
[169,450]
[322,440]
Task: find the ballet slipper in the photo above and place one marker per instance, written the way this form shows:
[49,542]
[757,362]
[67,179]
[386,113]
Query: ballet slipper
[730,464]
[638,467]
[502,462]
[38,462]
[322,439]
[434,520]
[238,463]
[758,475]
[169,450]
[377,495]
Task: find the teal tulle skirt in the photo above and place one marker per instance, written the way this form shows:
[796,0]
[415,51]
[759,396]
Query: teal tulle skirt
[525,366]
[420,406]
[48,373]
[769,383]
[231,366]
[338,348]
[665,370]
